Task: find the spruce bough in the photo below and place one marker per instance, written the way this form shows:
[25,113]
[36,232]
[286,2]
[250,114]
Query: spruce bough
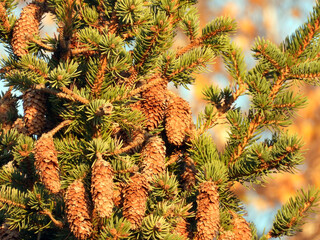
[104,150]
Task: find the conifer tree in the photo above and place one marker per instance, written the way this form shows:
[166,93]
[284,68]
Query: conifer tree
[103,150]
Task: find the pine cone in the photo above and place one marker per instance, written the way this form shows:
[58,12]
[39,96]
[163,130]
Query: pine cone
[8,110]
[46,162]
[153,105]
[78,210]
[135,200]
[183,229]
[102,187]
[34,111]
[241,228]
[153,157]
[20,126]
[227,235]
[178,120]
[7,234]
[189,174]
[27,25]
[208,211]
[118,195]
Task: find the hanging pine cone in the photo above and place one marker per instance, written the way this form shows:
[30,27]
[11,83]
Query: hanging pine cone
[153,105]
[227,235]
[188,176]
[183,229]
[20,126]
[153,157]
[46,162]
[207,211]
[178,120]
[135,200]
[34,111]
[241,228]
[26,26]
[102,187]
[118,195]
[7,234]
[8,110]
[78,210]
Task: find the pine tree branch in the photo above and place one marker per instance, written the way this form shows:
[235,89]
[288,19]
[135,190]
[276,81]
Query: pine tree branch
[313,29]
[41,44]
[258,119]
[74,95]
[96,88]
[60,126]
[58,223]
[12,203]
[154,80]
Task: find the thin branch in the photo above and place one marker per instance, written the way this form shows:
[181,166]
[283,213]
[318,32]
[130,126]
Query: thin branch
[74,95]
[60,126]
[41,44]
[9,202]
[58,223]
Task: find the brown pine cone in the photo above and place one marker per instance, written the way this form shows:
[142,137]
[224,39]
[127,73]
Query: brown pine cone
[208,215]
[8,110]
[183,229]
[102,187]
[227,235]
[118,195]
[20,126]
[189,174]
[26,26]
[153,105]
[135,200]
[34,111]
[153,157]
[178,120]
[78,210]
[46,162]
[241,228]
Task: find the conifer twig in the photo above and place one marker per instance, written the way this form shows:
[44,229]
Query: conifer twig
[60,126]
[41,44]
[58,223]
[12,203]
[74,95]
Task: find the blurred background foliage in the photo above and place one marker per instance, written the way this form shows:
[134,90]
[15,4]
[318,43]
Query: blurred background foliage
[274,20]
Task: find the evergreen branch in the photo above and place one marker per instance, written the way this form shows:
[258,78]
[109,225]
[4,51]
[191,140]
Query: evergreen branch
[12,203]
[254,124]
[41,44]
[259,119]
[58,223]
[85,50]
[74,95]
[60,126]
[270,52]
[152,81]
[290,217]
[96,88]
[298,42]
[137,141]
[54,92]
[196,43]
[4,18]
[215,28]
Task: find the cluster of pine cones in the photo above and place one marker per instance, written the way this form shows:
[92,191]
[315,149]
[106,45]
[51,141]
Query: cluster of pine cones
[158,105]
